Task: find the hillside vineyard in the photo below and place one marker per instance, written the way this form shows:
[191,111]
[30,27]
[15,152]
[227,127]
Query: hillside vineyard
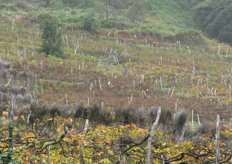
[115,81]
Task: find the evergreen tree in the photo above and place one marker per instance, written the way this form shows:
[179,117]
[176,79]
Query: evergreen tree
[89,23]
[52,41]
[137,10]
[214,18]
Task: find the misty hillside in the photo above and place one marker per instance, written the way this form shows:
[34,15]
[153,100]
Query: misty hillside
[115,81]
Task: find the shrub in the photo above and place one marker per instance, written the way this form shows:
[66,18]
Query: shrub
[110,23]
[89,23]
[136,10]
[52,41]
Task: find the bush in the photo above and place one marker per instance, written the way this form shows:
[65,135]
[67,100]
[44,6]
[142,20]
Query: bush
[225,34]
[136,11]
[89,23]
[80,3]
[52,41]
[113,24]
[71,3]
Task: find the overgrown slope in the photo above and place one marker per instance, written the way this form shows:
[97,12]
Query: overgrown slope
[117,72]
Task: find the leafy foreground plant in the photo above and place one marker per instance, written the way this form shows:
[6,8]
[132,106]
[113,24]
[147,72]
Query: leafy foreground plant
[6,157]
[115,144]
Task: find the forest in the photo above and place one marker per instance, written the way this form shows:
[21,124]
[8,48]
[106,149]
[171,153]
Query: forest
[115,81]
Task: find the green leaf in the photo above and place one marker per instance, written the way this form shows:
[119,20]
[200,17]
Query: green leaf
[100,146]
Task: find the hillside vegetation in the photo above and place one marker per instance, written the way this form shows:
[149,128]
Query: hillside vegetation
[82,82]
[214,19]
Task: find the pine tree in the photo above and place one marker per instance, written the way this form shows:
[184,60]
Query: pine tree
[52,41]
[137,10]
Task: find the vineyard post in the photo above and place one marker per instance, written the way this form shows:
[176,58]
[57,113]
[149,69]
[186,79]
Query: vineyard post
[77,47]
[17,33]
[41,85]
[219,50]
[66,99]
[67,42]
[217,140]
[176,105]
[8,83]
[12,108]
[198,118]
[28,121]
[24,52]
[155,124]
[49,156]
[192,118]
[84,131]
[100,83]
[183,131]
[88,101]
[134,84]
[161,83]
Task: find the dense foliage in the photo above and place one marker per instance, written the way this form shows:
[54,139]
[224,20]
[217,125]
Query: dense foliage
[110,145]
[52,41]
[79,3]
[89,23]
[214,18]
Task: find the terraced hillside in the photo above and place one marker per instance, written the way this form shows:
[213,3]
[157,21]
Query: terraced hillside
[117,76]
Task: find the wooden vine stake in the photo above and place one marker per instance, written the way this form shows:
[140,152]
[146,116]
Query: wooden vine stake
[41,85]
[217,140]
[49,156]
[198,118]
[192,119]
[66,99]
[183,131]
[84,132]
[154,126]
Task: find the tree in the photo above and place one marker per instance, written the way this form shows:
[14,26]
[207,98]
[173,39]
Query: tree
[52,41]
[79,3]
[137,10]
[117,4]
[89,23]
[226,34]
[214,18]
[71,3]
[87,3]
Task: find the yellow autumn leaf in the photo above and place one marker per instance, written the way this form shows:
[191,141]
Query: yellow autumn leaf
[67,139]
[16,117]
[110,152]
[4,113]
[27,135]
[49,119]
[22,117]
[100,153]
[108,140]
[59,118]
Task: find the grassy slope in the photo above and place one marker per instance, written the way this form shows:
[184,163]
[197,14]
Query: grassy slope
[135,60]
[172,13]
[94,60]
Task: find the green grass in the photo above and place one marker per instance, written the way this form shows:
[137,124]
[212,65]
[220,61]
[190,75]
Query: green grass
[168,18]
[172,12]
